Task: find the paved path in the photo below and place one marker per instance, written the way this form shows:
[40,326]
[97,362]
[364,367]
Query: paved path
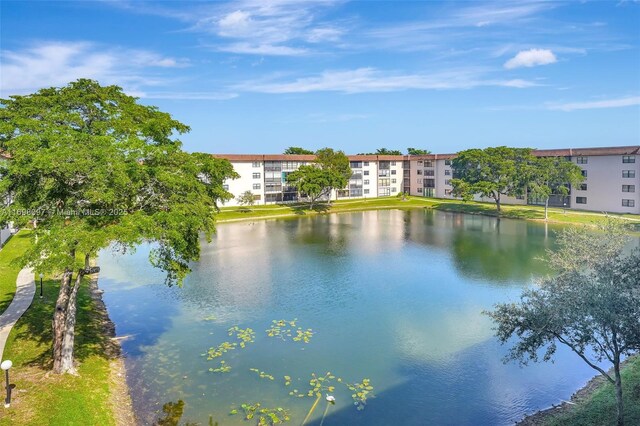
[25,290]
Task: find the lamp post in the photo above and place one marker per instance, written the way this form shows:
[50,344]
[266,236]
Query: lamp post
[6,365]
[564,207]
[41,275]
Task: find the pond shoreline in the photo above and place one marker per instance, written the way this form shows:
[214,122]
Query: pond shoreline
[119,391]
[581,396]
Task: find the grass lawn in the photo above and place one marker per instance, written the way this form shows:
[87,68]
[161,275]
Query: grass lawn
[41,398]
[230,214]
[8,272]
[600,407]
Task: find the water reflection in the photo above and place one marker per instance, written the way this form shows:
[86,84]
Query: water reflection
[393,296]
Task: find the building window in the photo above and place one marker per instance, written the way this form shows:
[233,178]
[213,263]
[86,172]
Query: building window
[429,172]
[628,188]
[225,187]
[366,181]
[256,175]
[583,187]
[366,191]
[419,172]
[393,180]
[628,203]
[447,181]
[581,200]
[419,189]
[257,197]
[255,164]
[419,181]
[628,173]
[256,186]
[366,172]
[447,192]
[393,163]
[419,161]
[519,197]
[447,172]
[366,163]
[393,172]
[628,159]
[428,163]
[394,189]
[584,173]
[447,162]
[582,160]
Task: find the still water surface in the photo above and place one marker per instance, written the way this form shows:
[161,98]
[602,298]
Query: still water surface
[392,296]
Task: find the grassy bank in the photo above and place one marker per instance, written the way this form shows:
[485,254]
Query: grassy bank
[40,397]
[231,214]
[8,271]
[598,405]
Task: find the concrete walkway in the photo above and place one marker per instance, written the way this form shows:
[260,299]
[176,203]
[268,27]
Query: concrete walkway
[25,290]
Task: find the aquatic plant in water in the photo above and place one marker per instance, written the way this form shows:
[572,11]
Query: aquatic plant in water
[265,416]
[223,368]
[262,374]
[284,329]
[217,351]
[361,391]
[245,336]
[319,384]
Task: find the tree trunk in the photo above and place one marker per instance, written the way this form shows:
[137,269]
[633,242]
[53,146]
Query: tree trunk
[66,364]
[497,198]
[619,401]
[59,316]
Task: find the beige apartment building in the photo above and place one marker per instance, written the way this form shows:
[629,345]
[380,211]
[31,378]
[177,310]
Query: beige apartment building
[612,177]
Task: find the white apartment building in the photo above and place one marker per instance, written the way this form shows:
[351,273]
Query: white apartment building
[612,181]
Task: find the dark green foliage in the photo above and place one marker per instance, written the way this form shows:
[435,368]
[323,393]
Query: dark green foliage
[93,168]
[491,172]
[294,150]
[417,151]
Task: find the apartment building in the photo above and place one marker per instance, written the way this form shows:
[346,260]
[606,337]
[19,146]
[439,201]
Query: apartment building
[612,178]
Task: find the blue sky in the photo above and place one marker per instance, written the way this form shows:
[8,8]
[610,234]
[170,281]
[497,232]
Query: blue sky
[257,76]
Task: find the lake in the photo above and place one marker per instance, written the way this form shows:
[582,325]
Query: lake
[395,297]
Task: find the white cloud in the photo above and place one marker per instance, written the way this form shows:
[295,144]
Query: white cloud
[531,58]
[607,103]
[258,27]
[57,63]
[363,80]
[262,49]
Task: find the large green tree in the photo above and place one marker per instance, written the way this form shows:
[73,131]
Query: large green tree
[552,176]
[336,165]
[491,172]
[90,168]
[591,305]
[293,150]
[312,181]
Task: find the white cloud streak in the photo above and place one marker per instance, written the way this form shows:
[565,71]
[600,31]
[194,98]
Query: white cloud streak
[274,27]
[531,58]
[55,63]
[607,103]
[363,80]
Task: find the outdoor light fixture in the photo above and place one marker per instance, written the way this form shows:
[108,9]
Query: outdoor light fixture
[41,275]
[6,365]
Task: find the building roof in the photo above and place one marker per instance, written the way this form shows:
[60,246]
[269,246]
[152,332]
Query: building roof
[563,152]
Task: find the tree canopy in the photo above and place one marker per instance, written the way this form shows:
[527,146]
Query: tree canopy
[552,176]
[591,305]
[292,150]
[417,151]
[331,170]
[92,168]
[383,151]
[491,172]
